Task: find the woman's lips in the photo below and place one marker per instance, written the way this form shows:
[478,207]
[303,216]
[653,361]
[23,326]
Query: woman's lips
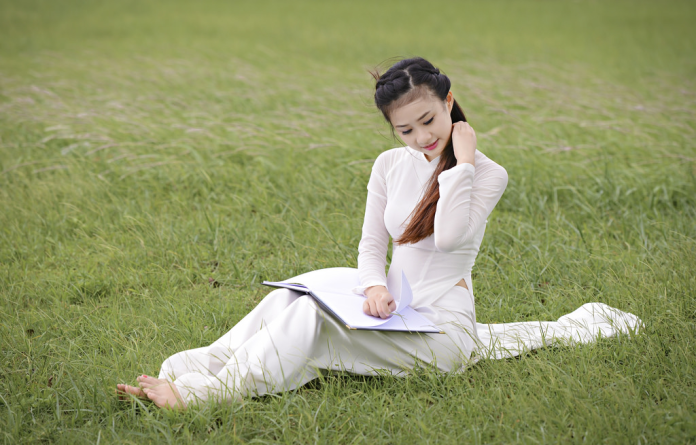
[431,146]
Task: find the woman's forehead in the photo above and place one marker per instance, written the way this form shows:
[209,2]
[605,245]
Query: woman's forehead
[415,110]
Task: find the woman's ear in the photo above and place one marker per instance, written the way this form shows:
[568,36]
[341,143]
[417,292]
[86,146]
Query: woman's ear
[449,100]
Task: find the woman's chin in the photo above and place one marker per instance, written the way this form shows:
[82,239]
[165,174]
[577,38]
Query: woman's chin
[432,154]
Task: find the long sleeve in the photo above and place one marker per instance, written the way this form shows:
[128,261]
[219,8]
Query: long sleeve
[372,250]
[468,195]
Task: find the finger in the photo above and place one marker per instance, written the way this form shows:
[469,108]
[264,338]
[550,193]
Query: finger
[380,307]
[367,308]
[381,311]
[373,309]
[390,304]
[383,308]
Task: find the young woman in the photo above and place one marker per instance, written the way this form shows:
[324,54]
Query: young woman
[432,197]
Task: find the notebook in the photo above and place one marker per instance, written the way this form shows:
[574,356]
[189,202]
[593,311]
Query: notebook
[332,289]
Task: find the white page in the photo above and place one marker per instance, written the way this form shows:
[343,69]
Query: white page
[334,279]
[409,319]
[350,309]
[333,287]
[343,280]
[406,297]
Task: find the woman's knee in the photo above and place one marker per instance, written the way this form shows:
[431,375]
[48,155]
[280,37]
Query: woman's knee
[309,307]
[303,315]
[168,369]
[281,297]
[184,362]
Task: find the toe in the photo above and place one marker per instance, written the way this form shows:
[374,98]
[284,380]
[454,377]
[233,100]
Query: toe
[148,382]
[133,390]
[151,394]
[123,391]
[165,397]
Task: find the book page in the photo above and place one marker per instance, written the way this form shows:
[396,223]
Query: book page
[349,308]
[409,320]
[335,279]
[333,288]
[404,300]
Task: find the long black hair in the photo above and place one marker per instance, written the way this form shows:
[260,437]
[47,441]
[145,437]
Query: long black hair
[405,81]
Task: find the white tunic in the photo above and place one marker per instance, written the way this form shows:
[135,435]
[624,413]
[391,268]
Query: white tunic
[287,340]
[435,264]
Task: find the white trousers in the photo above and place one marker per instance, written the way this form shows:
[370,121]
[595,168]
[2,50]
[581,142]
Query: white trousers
[287,340]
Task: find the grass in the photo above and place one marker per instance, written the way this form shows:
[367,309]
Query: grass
[159,159]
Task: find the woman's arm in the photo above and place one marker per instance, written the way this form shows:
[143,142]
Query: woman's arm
[372,250]
[468,195]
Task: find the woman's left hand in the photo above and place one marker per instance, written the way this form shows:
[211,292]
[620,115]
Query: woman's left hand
[463,142]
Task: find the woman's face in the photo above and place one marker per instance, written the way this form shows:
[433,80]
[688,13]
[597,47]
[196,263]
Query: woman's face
[425,124]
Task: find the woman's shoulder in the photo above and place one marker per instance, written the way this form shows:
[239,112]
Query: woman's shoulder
[490,169]
[482,159]
[392,154]
[389,158]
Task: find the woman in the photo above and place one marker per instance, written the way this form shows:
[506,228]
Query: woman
[432,197]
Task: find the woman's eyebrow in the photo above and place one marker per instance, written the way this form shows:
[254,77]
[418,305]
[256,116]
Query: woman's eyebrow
[424,114]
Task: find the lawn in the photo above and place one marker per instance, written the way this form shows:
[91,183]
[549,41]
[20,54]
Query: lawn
[159,159]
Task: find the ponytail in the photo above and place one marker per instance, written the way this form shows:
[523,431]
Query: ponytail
[422,220]
[405,81]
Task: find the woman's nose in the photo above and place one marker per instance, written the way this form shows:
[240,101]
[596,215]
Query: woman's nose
[423,138]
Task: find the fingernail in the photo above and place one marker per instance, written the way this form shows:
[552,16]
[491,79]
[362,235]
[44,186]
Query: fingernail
[144,376]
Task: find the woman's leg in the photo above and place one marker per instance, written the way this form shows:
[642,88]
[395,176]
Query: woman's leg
[302,340]
[264,353]
[211,359]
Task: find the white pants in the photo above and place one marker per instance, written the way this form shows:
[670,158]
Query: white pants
[287,340]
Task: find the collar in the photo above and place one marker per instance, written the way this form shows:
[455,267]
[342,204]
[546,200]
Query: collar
[421,156]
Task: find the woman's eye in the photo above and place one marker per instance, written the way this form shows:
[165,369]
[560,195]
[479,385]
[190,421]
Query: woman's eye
[406,132]
[429,121]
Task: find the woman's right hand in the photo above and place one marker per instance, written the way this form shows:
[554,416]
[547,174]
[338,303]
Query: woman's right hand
[379,303]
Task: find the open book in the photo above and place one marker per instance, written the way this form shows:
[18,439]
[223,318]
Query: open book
[332,289]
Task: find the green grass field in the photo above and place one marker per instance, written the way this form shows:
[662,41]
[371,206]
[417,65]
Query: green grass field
[159,159]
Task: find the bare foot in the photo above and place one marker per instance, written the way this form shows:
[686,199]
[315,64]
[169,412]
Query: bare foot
[124,391]
[162,392]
